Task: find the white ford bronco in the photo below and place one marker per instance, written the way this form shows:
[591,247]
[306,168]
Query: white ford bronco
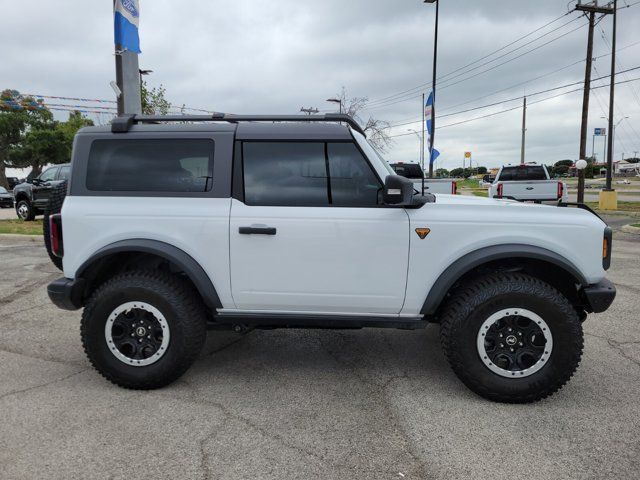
[175,225]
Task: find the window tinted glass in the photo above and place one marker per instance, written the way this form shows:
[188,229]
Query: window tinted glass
[409,170]
[522,173]
[49,175]
[151,165]
[287,174]
[353,183]
[64,173]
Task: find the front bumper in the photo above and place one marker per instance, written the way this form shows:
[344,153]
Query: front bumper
[66,293]
[6,202]
[600,296]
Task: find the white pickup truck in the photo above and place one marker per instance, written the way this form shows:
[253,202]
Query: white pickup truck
[413,172]
[527,182]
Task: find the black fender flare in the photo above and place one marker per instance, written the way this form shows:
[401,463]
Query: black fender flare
[474,259]
[178,257]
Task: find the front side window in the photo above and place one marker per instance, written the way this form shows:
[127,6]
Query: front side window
[49,175]
[353,183]
[64,173]
[151,165]
[285,174]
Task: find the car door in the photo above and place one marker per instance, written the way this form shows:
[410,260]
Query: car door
[308,234]
[42,188]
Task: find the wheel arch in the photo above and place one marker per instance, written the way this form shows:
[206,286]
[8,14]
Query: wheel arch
[540,262]
[136,253]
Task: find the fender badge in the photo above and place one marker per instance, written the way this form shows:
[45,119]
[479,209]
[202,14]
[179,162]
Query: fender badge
[423,232]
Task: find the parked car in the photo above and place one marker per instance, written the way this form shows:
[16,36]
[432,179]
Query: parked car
[413,171]
[527,182]
[32,198]
[276,221]
[6,199]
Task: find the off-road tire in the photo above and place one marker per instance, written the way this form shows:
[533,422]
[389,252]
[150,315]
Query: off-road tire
[31,215]
[467,309]
[56,199]
[174,298]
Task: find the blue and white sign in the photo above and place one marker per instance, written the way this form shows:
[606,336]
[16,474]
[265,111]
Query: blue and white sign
[600,132]
[126,23]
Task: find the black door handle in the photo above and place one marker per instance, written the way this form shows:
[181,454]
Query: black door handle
[257,231]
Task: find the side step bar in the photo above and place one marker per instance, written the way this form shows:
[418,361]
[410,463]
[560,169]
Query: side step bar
[244,321]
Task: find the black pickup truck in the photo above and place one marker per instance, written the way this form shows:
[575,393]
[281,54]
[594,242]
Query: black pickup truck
[32,197]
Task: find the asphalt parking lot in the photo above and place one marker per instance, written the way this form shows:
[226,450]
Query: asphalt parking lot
[369,404]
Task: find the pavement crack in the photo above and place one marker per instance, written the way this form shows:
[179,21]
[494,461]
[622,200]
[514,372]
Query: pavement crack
[227,345]
[38,357]
[617,346]
[35,387]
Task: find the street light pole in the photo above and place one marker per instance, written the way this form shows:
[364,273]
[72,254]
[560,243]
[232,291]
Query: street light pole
[336,100]
[612,90]
[433,107]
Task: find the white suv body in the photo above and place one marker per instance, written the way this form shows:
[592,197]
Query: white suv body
[263,252]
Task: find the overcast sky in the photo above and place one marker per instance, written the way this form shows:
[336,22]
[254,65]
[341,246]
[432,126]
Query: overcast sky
[259,56]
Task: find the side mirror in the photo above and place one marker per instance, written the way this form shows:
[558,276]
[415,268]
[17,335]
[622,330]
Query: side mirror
[399,192]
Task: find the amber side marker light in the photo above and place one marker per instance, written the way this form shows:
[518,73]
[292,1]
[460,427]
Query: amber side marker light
[423,232]
[605,248]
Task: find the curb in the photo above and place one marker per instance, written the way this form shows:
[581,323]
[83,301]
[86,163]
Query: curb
[18,236]
[631,230]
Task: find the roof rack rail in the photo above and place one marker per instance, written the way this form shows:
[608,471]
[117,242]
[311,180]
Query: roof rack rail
[123,123]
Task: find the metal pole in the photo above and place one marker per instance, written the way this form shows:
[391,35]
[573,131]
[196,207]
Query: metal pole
[433,107]
[604,153]
[612,90]
[422,144]
[593,148]
[524,129]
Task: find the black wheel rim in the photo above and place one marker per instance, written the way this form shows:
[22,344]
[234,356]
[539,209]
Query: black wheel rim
[137,333]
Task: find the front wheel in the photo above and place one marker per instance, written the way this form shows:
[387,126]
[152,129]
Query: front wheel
[25,211]
[143,330]
[511,337]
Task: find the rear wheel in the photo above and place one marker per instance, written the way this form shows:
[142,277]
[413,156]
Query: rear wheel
[511,337]
[143,330]
[25,210]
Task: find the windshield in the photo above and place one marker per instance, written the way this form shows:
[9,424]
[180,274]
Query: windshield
[371,151]
[3,190]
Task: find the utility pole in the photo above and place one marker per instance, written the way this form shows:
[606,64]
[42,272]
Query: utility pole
[612,91]
[524,129]
[310,110]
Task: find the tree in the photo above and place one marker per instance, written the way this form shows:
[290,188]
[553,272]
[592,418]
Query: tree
[17,114]
[482,170]
[442,173]
[153,100]
[377,130]
[30,137]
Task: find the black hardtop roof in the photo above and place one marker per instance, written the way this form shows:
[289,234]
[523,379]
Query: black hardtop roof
[254,125]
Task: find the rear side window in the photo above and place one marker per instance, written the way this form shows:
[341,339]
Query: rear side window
[522,173]
[285,173]
[151,165]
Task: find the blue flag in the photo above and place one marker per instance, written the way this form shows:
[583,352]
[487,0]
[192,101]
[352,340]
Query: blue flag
[434,154]
[428,113]
[126,22]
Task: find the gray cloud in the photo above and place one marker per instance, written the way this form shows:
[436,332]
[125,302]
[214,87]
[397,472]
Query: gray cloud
[275,56]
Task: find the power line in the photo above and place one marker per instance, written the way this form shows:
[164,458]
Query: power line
[478,60]
[516,98]
[518,107]
[403,97]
